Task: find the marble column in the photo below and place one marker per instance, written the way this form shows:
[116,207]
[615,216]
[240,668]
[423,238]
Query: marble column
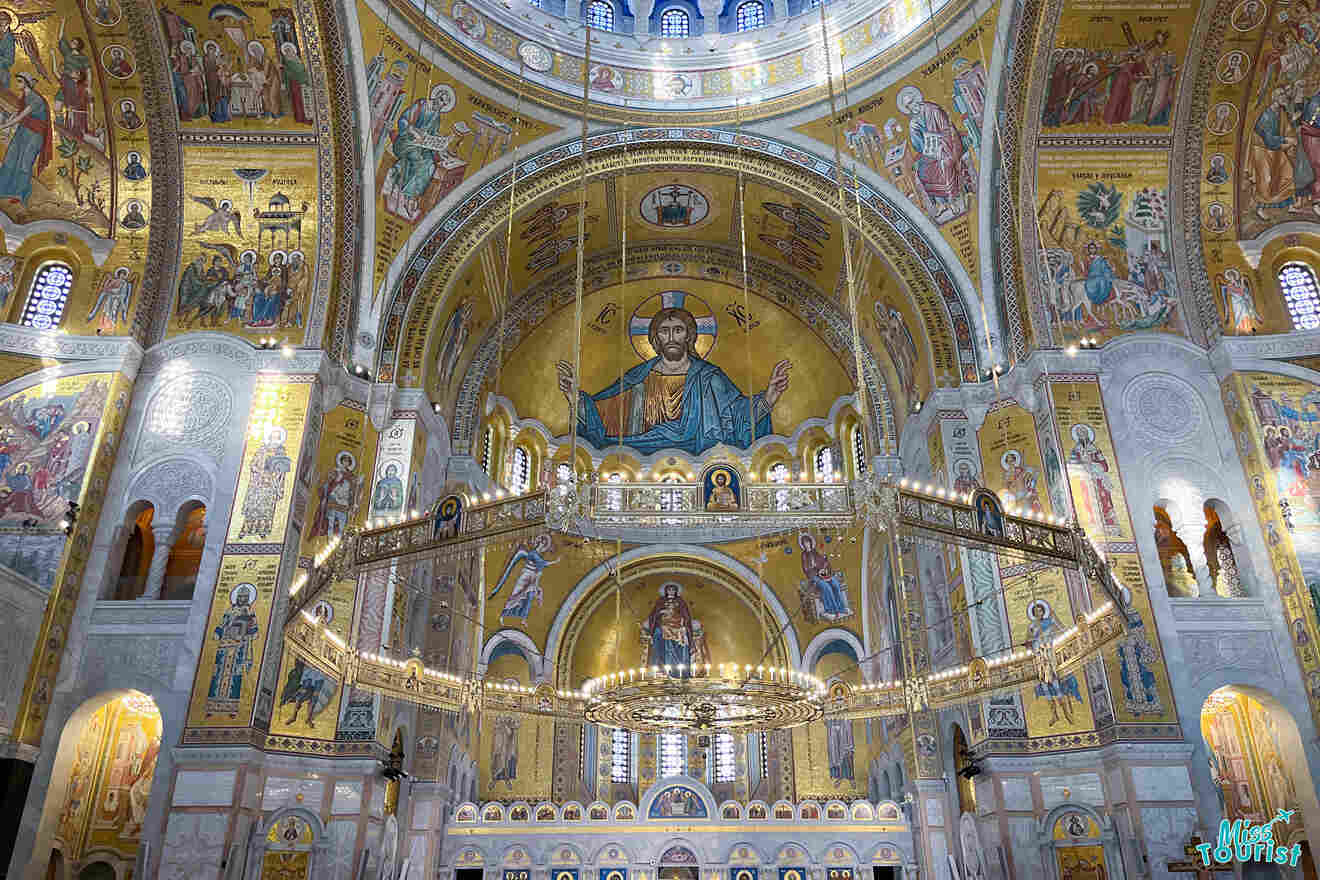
[160,558]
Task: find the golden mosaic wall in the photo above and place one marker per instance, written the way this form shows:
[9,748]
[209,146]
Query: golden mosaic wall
[105,802]
[1274,422]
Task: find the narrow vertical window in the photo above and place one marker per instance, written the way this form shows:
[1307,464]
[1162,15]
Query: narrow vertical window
[47,296]
[673,754]
[724,757]
[1302,295]
[824,463]
[521,478]
[600,15]
[487,447]
[859,451]
[674,23]
[751,15]
[620,755]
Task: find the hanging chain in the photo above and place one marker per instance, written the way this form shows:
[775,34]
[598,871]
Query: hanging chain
[581,249]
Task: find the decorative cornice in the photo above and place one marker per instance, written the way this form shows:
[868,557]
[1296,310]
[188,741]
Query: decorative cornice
[44,344]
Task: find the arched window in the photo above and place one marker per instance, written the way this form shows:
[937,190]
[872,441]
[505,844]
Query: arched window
[1302,295]
[751,15]
[563,473]
[620,755]
[825,463]
[673,754]
[778,473]
[859,451]
[520,480]
[47,296]
[600,15]
[674,23]
[724,757]
[488,449]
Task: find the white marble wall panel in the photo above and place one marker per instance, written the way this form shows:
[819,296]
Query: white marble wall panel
[1026,853]
[204,788]
[1083,788]
[1166,831]
[416,857]
[1117,791]
[425,813]
[1017,793]
[377,800]
[348,797]
[283,791]
[939,856]
[193,846]
[342,835]
[934,811]
[1162,783]
[252,791]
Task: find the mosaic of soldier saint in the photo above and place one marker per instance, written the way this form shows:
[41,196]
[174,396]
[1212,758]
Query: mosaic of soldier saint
[674,399]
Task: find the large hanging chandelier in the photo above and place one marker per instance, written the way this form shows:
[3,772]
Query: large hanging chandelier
[726,697]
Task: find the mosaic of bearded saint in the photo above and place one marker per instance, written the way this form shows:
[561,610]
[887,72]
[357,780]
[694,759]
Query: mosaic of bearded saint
[676,399]
[267,474]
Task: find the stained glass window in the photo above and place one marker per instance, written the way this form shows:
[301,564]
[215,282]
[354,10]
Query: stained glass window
[620,755]
[1302,295]
[535,3]
[751,15]
[486,448]
[859,451]
[674,23]
[724,757]
[600,15]
[521,478]
[824,463]
[48,296]
[779,473]
[673,754]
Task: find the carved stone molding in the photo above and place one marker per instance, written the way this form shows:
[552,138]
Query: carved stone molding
[232,350]
[191,409]
[113,661]
[140,615]
[168,484]
[1164,408]
[15,339]
[1231,612]
[1206,653]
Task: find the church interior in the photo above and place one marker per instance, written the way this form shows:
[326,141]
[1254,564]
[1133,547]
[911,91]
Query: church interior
[659,439]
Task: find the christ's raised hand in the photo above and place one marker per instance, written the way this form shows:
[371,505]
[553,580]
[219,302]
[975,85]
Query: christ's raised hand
[778,382]
[565,370]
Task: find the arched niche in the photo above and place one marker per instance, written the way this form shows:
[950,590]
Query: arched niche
[715,591]
[1076,836]
[111,741]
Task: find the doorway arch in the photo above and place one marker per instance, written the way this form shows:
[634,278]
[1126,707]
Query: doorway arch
[1068,833]
[104,770]
[293,840]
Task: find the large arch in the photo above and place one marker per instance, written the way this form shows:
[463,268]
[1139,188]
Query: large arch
[557,643]
[889,224]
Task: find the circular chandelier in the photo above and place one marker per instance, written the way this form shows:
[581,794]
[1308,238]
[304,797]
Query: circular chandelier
[724,697]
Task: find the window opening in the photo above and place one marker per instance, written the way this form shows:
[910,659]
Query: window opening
[674,23]
[600,15]
[1302,294]
[48,296]
[751,15]
[620,755]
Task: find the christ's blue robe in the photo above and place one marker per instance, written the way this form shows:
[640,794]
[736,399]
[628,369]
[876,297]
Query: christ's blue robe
[714,411]
[1099,280]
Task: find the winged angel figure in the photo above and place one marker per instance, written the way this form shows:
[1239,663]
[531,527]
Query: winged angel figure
[11,40]
[221,216]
